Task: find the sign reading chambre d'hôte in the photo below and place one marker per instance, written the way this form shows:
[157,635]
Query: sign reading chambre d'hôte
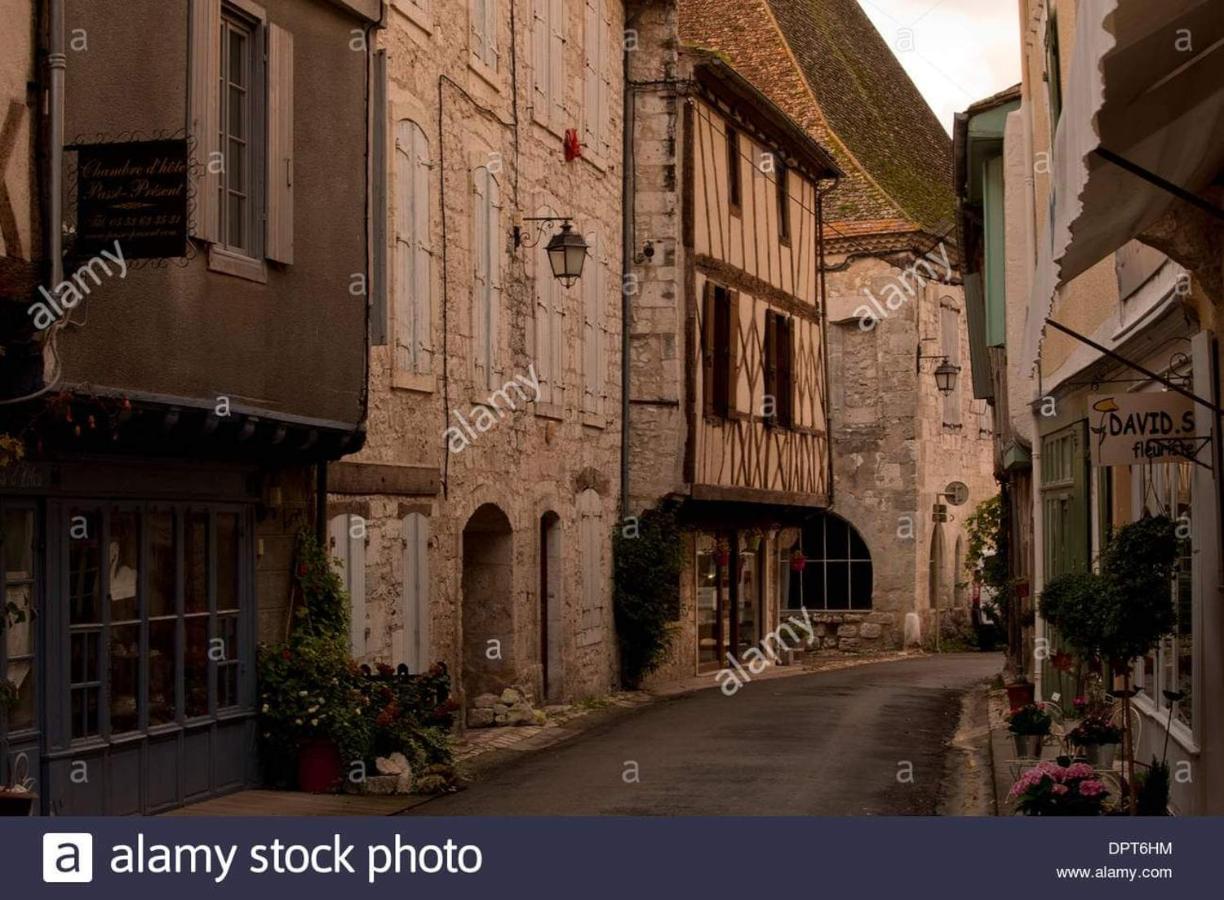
[1150,427]
[134,193]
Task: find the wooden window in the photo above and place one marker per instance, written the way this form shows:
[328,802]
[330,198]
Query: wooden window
[1053,68]
[719,359]
[781,176]
[734,184]
[280,146]
[413,260]
[597,65]
[594,285]
[412,640]
[779,353]
[548,63]
[949,336]
[486,278]
[592,612]
[347,545]
[483,16]
[235,136]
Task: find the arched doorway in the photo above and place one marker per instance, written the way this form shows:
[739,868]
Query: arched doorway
[487,612]
[550,606]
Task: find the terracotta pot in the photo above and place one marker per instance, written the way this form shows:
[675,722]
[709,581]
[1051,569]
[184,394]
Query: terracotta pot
[318,766]
[1020,694]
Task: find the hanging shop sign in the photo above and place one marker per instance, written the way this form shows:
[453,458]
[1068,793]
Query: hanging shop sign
[134,193]
[1135,428]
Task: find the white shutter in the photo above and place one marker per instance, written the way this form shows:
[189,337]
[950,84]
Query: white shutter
[422,343]
[404,220]
[349,553]
[205,114]
[590,327]
[603,270]
[950,347]
[556,334]
[480,274]
[542,321]
[493,238]
[591,78]
[477,13]
[279,227]
[540,69]
[414,597]
[556,62]
[604,122]
[490,34]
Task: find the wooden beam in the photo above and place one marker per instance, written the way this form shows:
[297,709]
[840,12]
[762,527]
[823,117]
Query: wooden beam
[371,478]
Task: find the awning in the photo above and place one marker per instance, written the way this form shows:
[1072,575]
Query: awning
[1146,85]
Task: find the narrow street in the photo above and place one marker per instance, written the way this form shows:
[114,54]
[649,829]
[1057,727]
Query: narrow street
[832,743]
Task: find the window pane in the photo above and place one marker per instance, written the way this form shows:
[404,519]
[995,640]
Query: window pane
[21,673]
[195,560]
[237,117]
[84,712]
[839,585]
[838,540]
[226,648]
[84,656]
[123,557]
[84,582]
[19,635]
[235,164]
[161,563]
[18,537]
[237,58]
[858,548]
[237,227]
[860,585]
[195,676]
[227,561]
[707,603]
[124,677]
[163,668]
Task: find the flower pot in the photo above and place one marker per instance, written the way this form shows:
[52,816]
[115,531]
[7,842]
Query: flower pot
[1100,756]
[1028,746]
[1019,694]
[318,766]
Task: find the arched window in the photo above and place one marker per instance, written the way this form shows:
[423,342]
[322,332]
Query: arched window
[837,572]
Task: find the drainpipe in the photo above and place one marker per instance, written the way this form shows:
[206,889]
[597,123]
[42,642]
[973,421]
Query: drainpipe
[627,254]
[57,64]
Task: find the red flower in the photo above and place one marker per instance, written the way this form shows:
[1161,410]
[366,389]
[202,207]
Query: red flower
[286,654]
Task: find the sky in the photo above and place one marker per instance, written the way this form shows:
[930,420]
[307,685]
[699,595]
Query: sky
[956,51]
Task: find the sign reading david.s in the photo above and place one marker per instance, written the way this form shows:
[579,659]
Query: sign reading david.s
[1132,429]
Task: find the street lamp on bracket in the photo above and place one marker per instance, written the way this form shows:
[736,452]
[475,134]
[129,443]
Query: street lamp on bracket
[945,373]
[566,249]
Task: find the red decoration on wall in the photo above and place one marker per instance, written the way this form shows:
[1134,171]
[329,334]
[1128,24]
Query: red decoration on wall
[573,147]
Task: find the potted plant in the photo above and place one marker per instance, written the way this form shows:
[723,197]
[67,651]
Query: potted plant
[1020,693]
[1097,739]
[1029,726]
[1059,788]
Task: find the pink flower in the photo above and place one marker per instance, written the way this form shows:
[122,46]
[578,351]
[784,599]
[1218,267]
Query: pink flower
[1060,789]
[1091,788]
[1080,770]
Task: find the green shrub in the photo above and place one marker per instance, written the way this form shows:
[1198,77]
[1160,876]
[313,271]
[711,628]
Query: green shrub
[648,559]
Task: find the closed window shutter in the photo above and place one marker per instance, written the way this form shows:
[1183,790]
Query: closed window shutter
[480,275]
[590,327]
[349,552]
[205,113]
[950,346]
[591,77]
[771,363]
[556,62]
[404,221]
[542,325]
[604,122]
[707,349]
[540,64]
[478,14]
[490,34]
[602,337]
[279,230]
[422,346]
[414,613]
[493,243]
[733,355]
[785,376]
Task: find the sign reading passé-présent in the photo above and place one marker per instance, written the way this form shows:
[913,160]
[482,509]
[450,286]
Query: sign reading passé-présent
[1136,428]
[134,193]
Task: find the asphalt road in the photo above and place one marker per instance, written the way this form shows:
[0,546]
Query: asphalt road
[864,741]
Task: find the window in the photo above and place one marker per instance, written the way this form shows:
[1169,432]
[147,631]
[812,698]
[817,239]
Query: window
[950,347]
[734,180]
[1064,501]
[548,63]
[594,287]
[782,177]
[597,61]
[837,572]
[486,281]
[413,345]
[158,587]
[18,625]
[347,544]
[413,637]
[720,313]
[241,116]
[549,323]
[1053,72]
[779,356]
[483,15]
[592,612]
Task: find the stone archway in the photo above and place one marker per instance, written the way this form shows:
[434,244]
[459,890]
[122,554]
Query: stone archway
[487,611]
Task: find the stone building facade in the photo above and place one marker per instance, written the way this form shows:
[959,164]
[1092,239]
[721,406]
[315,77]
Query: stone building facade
[475,526]
[895,305]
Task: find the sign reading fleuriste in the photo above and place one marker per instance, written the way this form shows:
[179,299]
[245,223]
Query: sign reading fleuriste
[1132,429]
[134,193]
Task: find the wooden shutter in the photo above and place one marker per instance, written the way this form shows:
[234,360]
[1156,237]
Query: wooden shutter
[543,320]
[785,339]
[771,361]
[591,76]
[950,347]
[349,552]
[556,62]
[590,327]
[707,349]
[490,34]
[414,599]
[380,171]
[422,346]
[478,13]
[404,220]
[279,231]
[728,341]
[480,275]
[540,63]
[604,122]
[493,241]
[205,115]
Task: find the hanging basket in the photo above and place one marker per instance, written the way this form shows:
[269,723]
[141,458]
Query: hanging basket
[798,562]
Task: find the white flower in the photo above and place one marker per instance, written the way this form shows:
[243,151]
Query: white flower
[297,721]
[265,708]
[313,709]
[314,722]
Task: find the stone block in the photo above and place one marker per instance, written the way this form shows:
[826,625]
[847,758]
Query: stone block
[870,630]
[480,718]
[485,701]
[847,631]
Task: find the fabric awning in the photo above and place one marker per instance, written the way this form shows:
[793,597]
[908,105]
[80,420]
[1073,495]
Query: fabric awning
[1146,83]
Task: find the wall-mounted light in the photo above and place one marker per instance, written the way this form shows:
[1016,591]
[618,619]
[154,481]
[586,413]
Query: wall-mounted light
[566,249]
[945,372]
